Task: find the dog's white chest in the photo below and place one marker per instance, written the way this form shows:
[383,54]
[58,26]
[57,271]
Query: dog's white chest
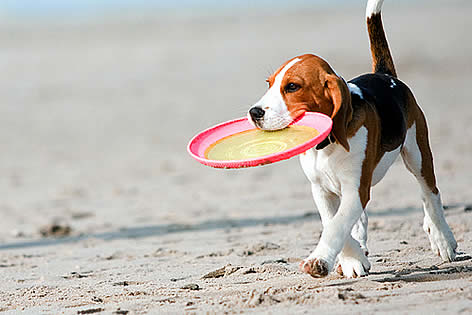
[333,165]
[318,167]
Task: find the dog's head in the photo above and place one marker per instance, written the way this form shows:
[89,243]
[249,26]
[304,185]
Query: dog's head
[304,84]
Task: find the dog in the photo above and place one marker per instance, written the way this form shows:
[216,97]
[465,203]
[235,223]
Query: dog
[375,119]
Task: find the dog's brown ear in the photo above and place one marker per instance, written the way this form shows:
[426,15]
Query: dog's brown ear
[336,89]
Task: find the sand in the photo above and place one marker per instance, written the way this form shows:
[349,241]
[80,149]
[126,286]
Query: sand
[102,210]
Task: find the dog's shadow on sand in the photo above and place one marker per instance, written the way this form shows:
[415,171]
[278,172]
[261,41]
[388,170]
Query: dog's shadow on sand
[164,229]
[433,273]
[217,224]
[415,274]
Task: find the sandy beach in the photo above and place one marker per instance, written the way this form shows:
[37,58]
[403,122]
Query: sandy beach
[103,211]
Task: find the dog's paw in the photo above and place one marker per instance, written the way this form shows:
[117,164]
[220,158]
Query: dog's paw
[315,267]
[353,267]
[442,240]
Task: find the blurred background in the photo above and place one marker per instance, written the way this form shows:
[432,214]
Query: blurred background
[99,99]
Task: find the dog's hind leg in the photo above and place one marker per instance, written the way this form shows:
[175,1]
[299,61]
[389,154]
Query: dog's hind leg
[418,159]
[359,232]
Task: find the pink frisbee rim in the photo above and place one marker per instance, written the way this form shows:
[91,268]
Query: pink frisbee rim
[197,146]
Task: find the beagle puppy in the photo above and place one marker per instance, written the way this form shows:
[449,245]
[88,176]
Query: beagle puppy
[375,119]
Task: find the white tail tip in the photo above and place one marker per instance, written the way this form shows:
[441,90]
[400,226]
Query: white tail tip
[373,7]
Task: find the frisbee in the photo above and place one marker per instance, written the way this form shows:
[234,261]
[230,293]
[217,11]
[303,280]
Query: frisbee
[238,144]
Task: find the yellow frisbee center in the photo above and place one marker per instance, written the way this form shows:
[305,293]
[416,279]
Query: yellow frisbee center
[258,143]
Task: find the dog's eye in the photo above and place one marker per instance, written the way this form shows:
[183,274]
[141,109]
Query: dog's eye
[291,87]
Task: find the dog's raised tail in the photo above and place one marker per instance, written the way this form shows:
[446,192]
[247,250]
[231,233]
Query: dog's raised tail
[382,61]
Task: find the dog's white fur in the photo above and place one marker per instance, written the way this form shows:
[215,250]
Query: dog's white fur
[276,114]
[373,7]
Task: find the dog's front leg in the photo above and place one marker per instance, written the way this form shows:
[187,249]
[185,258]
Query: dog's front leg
[335,233]
[352,259]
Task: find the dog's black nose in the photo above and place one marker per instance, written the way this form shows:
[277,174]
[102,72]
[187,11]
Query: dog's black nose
[256,113]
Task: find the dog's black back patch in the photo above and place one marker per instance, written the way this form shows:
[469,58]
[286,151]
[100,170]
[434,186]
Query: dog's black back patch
[388,96]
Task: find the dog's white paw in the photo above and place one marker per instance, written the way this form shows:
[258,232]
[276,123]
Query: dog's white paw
[353,267]
[442,240]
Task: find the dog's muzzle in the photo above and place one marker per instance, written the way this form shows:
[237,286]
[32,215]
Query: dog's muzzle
[256,113]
